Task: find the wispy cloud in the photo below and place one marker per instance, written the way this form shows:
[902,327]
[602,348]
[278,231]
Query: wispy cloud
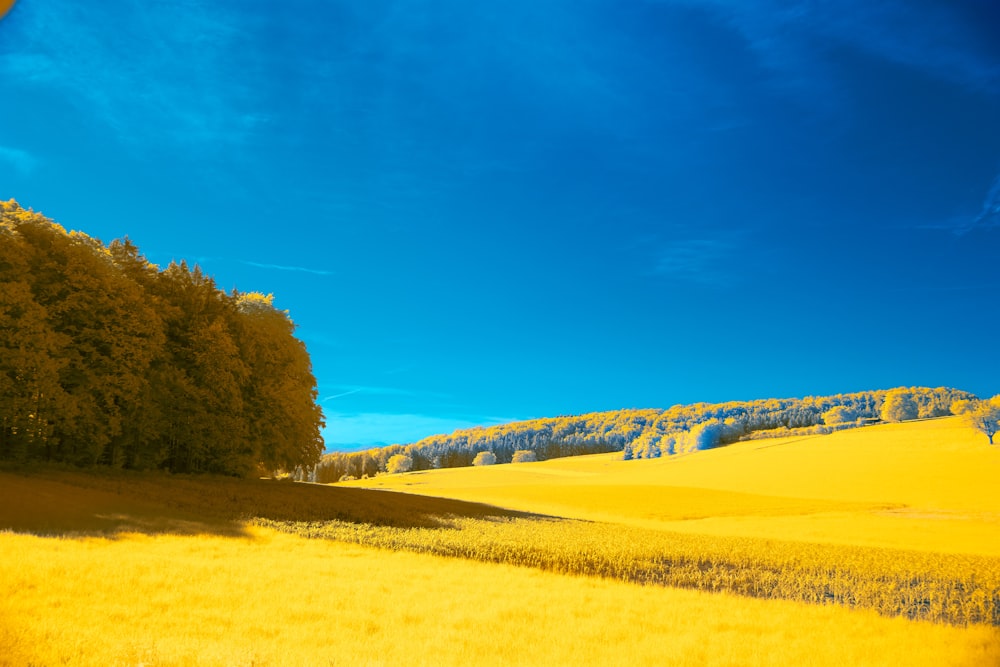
[341,391]
[987,218]
[172,72]
[922,289]
[203,260]
[939,39]
[22,161]
[795,39]
[283,267]
[342,394]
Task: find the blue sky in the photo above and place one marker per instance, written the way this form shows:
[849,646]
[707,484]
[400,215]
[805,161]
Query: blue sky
[478,212]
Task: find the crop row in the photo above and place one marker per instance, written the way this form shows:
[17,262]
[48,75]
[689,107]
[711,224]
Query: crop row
[951,589]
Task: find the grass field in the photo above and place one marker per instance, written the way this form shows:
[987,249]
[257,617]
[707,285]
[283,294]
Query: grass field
[273,599]
[928,485]
[128,569]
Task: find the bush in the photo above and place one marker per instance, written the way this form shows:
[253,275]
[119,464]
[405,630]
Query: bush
[523,456]
[484,459]
[399,463]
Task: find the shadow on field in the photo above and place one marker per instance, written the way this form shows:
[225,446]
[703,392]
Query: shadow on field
[70,503]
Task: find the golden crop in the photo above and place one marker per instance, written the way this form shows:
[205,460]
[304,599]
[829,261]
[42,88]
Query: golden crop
[272,599]
[918,585]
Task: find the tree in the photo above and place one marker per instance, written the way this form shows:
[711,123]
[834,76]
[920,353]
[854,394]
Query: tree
[899,406]
[984,416]
[399,463]
[704,435]
[109,335]
[839,414]
[523,456]
[484,459]
[646,446]
[642,433]
[279,392]
[202,389]
[106,359]
[961,406]
[32,356]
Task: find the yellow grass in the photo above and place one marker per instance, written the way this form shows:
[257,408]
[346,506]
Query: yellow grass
[958,590]
[928,485]
[275,599]
[150,570]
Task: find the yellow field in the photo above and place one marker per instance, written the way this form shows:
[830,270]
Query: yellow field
[928,485]
[142,569]
[274,599]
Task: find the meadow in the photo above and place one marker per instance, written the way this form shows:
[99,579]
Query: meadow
[874,547]
[928,485]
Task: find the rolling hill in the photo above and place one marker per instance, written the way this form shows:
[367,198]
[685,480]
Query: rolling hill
[927,484]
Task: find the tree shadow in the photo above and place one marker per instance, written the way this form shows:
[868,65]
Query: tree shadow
[63,503]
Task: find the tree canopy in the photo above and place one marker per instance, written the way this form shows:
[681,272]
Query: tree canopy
[109,360]
[984,416]
[899,405]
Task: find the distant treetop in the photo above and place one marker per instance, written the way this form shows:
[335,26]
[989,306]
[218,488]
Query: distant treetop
[649,433]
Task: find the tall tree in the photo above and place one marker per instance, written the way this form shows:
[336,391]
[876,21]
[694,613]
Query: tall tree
[282,416]
[31,354]
[139,444]
[102,322]
[202,391]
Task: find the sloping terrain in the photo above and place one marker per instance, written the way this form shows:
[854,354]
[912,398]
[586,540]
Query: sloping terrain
[105,568]
[929,485]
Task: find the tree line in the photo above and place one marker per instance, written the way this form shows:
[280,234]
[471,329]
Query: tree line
[106,359]
[646,433]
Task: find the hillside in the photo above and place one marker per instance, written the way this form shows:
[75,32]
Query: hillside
[928,484]
[883,537]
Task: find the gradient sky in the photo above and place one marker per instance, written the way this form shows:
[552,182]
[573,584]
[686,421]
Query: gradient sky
[485,211]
